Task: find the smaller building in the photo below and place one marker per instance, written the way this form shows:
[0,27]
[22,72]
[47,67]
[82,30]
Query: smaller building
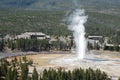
[110,46]
[94,41]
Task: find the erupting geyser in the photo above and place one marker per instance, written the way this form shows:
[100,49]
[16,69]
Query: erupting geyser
[77,20]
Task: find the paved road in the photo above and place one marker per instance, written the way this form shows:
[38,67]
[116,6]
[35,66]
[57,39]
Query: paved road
[6,55]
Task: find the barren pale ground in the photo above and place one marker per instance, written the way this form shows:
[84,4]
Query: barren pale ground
[107,61]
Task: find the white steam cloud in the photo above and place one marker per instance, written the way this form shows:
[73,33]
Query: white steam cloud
[77,20]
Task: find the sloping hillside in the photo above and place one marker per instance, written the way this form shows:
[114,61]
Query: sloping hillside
[60,4]
[51,23]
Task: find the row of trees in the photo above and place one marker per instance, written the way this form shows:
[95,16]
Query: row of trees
[28,44]
[76,74]
[18,70]
[112,48]
[37,45]
[45,45]
[34,44]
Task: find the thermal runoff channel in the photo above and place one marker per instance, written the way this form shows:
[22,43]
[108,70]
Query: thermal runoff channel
[76,25]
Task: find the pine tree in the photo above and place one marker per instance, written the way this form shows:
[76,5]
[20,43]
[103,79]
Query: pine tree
[4,67]
[9,74]
[69,75]
[24,71]
[2,44]
[35,74]
[12,46]
[45,75]
[15,74]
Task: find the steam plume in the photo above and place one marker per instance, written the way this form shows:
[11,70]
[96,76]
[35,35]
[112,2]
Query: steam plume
[76,24]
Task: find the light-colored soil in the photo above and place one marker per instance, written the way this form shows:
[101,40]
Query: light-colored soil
[44,59]
[107,61]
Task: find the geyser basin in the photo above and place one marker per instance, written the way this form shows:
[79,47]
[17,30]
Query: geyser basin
[105,62]
[90,60]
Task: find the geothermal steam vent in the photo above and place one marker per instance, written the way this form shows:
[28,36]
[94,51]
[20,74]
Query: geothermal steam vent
[77,20]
